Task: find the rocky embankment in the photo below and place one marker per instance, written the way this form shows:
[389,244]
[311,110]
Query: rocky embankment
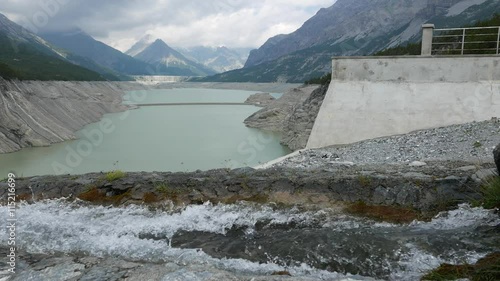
[471,142]
[58,266]
[300,122]
[424,188]
[36,113]
[260,99]
[293,114]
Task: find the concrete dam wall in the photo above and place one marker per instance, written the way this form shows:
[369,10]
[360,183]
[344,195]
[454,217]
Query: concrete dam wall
[371,97]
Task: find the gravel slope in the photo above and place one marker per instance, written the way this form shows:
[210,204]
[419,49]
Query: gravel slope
[471,142]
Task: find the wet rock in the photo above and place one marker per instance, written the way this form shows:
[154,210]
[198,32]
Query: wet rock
[467,168]
[383,196]
[416,175]
[416,187]
[50,269]
[152,272]
[407,196]
[196,197]
[484,174]
[496,156]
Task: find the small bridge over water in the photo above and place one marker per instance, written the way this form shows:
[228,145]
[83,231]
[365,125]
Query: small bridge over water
[191,103]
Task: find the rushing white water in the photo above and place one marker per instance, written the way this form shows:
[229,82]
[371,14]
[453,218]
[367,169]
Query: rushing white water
[59,226]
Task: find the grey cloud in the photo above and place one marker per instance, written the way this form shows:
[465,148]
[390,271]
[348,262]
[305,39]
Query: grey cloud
[126,19]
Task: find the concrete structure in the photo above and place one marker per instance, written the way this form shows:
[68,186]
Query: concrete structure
[427,34]
[371,97]
[154,79]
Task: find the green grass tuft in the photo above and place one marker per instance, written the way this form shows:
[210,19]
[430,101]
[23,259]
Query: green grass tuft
[491,193]
[114,175]
[166,190]
[477,144]
[364,181]
[486,269]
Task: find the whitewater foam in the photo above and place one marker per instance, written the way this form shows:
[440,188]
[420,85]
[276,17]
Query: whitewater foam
[60,226]
[137,233]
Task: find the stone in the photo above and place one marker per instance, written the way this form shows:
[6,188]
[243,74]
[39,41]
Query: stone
[417,164]
[344,164]
[496,156]
[416,176]
[484,174]
[196,196]
[467,168]
[383,196]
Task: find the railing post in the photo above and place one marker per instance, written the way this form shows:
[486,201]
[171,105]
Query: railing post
[463,41]
[498,41]
[427,34]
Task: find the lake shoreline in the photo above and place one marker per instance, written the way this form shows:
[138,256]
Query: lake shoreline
[42,113]
[330,174]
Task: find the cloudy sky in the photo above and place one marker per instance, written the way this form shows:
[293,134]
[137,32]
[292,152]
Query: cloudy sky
[181,23]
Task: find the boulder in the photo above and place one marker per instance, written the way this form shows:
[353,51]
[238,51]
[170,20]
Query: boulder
[496,155]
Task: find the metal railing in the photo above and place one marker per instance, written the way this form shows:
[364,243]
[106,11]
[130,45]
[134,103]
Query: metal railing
[472,40]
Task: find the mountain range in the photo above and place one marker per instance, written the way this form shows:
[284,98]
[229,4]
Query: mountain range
[352,27]
[24,55]
[348,27]
[167,61]
[220,59]
[140,45]
[80,43]
[75,55]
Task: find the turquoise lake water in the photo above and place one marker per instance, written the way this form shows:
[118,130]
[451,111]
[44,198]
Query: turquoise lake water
[158,138]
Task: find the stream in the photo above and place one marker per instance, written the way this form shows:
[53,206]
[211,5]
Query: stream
[253,239]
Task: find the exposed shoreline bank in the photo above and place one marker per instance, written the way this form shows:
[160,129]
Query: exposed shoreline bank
[292,115]
[41,113]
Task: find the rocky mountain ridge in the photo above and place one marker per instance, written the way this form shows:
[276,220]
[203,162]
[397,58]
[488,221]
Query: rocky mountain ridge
[361,21]
[220,59]
[167,61]
[352,27]
[24,55]
[82,44]
[140,45]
